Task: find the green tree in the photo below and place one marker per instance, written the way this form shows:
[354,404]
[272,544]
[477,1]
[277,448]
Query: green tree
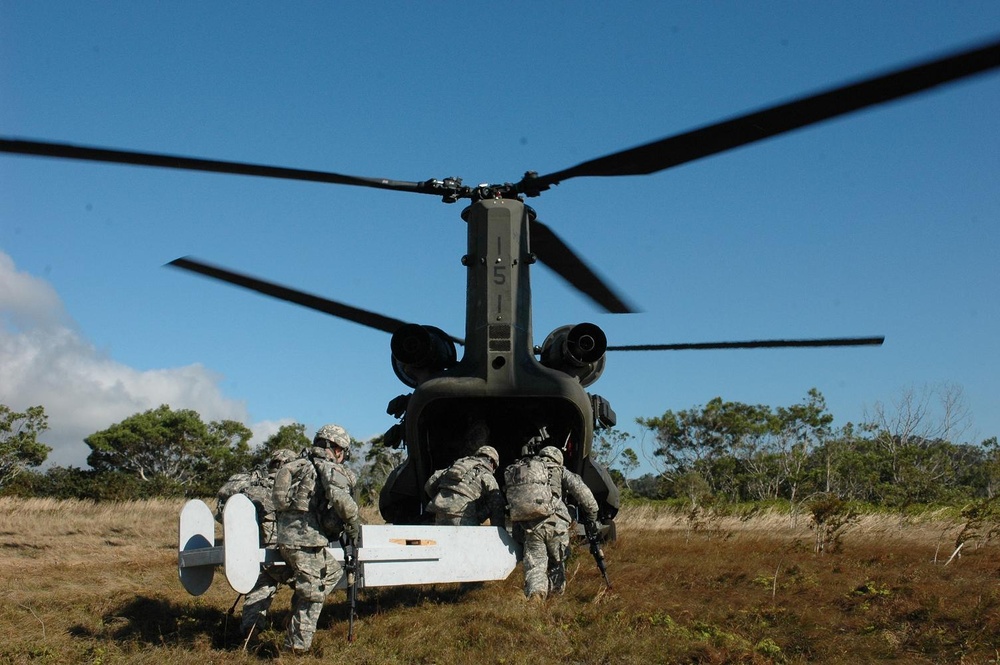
[921,459]
[290,437]
[650,486]
[692,487]
[685,439]
[750,433]
[850,465]
[629,463]
[176,446]
[59,482]
[913,420]
[991,462]
[378,461]
[801,430]
[609,449]
[19,445]
[743,451]
[229,448]
[724,442]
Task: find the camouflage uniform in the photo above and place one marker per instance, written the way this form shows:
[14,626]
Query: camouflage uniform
[321,512]
[466,493]
[257,486]
[546,540]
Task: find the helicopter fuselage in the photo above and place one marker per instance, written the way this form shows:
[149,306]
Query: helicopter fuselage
[499,380]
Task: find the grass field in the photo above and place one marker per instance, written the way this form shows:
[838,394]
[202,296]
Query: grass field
[86,583]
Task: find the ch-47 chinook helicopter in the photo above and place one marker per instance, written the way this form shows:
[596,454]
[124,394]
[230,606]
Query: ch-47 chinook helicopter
[518,388]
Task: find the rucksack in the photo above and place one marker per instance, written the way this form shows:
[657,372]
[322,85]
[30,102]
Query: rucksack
[236,484]
[259,492]
[456,486]
[529,495]
[294,485]
[459,472]
[336,486]
[255,485]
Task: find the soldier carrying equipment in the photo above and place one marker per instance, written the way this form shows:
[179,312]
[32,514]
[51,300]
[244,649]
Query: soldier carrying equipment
[314,499]
[535,486]
[529,491]
[466,493]
[257,486]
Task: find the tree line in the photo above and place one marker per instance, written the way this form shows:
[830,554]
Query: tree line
[902,454]
[159,453]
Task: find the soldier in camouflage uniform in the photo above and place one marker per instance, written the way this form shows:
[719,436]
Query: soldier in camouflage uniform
[546,539]
[257,486]
[466,493]
[314,497]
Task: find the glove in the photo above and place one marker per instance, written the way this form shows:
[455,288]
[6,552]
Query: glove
[352,530]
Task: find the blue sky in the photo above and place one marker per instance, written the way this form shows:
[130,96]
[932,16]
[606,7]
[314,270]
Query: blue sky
[883,222]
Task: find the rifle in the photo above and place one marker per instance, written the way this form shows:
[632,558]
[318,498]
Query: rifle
[595,549]
[351,569]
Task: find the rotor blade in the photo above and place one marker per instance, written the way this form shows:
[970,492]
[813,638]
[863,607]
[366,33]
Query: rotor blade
[758,344]
[70,151]
[557,255]
[716,138]
[318,303]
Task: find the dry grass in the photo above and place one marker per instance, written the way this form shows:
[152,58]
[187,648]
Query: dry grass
[939,527]
[85,583]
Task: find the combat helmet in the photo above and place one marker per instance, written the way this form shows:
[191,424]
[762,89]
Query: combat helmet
[279,458]
[332,434]
[552,453]
[490,453]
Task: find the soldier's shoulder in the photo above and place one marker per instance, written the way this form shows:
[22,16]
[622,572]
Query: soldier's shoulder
[572,478]
[464,461]
[349,473]
[298,468]
[339,474]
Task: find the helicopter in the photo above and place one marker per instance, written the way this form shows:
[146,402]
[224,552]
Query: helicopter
[527,394]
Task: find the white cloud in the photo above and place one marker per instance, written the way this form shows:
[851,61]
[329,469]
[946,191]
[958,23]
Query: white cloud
[45,361]
[27,301]
[265,429]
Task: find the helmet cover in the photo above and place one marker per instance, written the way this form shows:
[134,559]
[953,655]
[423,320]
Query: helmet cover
[333,434]
[552,453]
[490,453]
[280,457]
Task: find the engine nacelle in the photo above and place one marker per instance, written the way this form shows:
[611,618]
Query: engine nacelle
[576,350]
[419,352]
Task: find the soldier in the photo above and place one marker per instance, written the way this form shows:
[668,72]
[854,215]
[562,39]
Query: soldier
[535,486]
[314,499]
[257,486]
[466,493]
